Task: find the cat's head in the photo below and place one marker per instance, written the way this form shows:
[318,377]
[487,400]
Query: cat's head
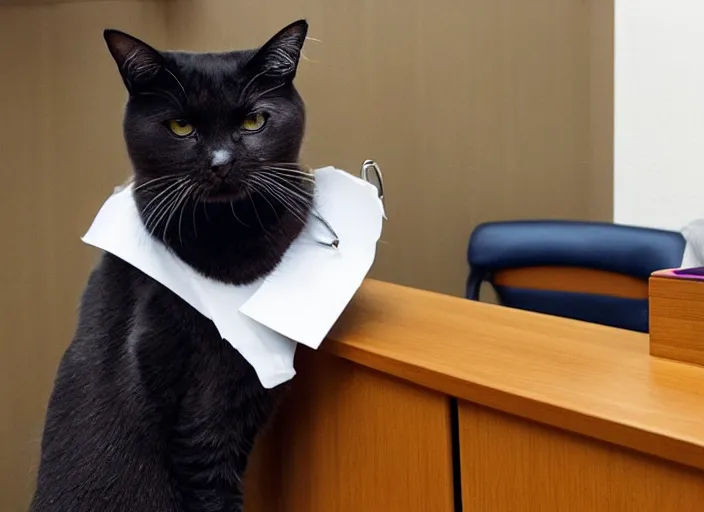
[214,140]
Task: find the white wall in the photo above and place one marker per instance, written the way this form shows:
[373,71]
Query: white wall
[659,112]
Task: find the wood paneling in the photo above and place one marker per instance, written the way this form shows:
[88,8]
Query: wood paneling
[590,379]
[510,464]
[476,110]
[61,153]
[349,439]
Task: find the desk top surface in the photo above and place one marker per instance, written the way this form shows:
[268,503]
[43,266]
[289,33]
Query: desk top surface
[586,378]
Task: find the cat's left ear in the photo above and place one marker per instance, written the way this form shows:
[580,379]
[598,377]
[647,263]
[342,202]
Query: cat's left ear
[280,55]
[138,63]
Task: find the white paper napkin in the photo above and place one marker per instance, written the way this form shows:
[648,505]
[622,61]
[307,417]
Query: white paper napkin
[694,244]
[298,302]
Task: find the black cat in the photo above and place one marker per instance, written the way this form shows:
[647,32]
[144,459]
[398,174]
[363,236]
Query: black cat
[152,411]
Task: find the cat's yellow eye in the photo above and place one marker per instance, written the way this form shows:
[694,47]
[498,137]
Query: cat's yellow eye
[180,127]
[253,122]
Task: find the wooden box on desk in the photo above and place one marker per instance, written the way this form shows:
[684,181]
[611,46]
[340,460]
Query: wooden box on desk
[677,315]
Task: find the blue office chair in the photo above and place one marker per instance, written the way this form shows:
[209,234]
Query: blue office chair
[596,272]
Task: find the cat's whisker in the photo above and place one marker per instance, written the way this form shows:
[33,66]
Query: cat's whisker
[168,187]
[255,209]
[262,188]
[293,180]
[172,209]
[181,207]
[302,175]
[232,208]
[154,180]
[271,89]
[162,209]
[162,93]
[196,198]
[293,166]
[176,204]
[251,81]
[273,172]
[169,208]
[273,209]
[264,185]
[292,169]
[161,196]
[281,195]
[157,214]
[294,189]
[293,210]
[288,193]
[287,171]
[205,210]
[289,189]
[305,58]
[189,194]
[183,89]
[150,213]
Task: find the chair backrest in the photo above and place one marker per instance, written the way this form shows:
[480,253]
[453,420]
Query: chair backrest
[592,271]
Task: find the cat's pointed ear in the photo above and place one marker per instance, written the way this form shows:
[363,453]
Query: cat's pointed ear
[280,55]
[137,62]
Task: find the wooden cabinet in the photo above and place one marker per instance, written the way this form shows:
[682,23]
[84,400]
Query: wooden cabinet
[352,439]
[512,464]
[552,415]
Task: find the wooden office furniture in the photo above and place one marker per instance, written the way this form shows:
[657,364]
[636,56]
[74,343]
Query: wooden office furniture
[419,399]
[677,317]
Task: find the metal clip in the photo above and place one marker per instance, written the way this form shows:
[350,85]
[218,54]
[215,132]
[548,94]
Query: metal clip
[371,165]
[335,242]
[367,167]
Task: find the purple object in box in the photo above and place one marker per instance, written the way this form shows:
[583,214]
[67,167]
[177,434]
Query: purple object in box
[690,273]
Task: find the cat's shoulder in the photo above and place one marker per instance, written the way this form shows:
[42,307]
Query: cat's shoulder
[113,276]
[121,286]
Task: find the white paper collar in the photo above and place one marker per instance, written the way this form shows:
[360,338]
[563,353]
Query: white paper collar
[297,303]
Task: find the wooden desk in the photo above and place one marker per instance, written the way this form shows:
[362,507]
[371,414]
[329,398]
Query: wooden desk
[553,414]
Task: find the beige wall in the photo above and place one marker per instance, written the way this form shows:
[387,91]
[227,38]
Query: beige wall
[60,154]
[601,111]
[476,110]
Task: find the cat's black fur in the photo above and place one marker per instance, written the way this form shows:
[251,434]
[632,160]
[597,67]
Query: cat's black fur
[152,411]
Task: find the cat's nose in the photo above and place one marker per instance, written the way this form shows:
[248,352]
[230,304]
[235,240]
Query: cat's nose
[220,157]
[219,163]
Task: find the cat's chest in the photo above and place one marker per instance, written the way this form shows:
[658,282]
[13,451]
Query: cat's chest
[198,366]
[220,408]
